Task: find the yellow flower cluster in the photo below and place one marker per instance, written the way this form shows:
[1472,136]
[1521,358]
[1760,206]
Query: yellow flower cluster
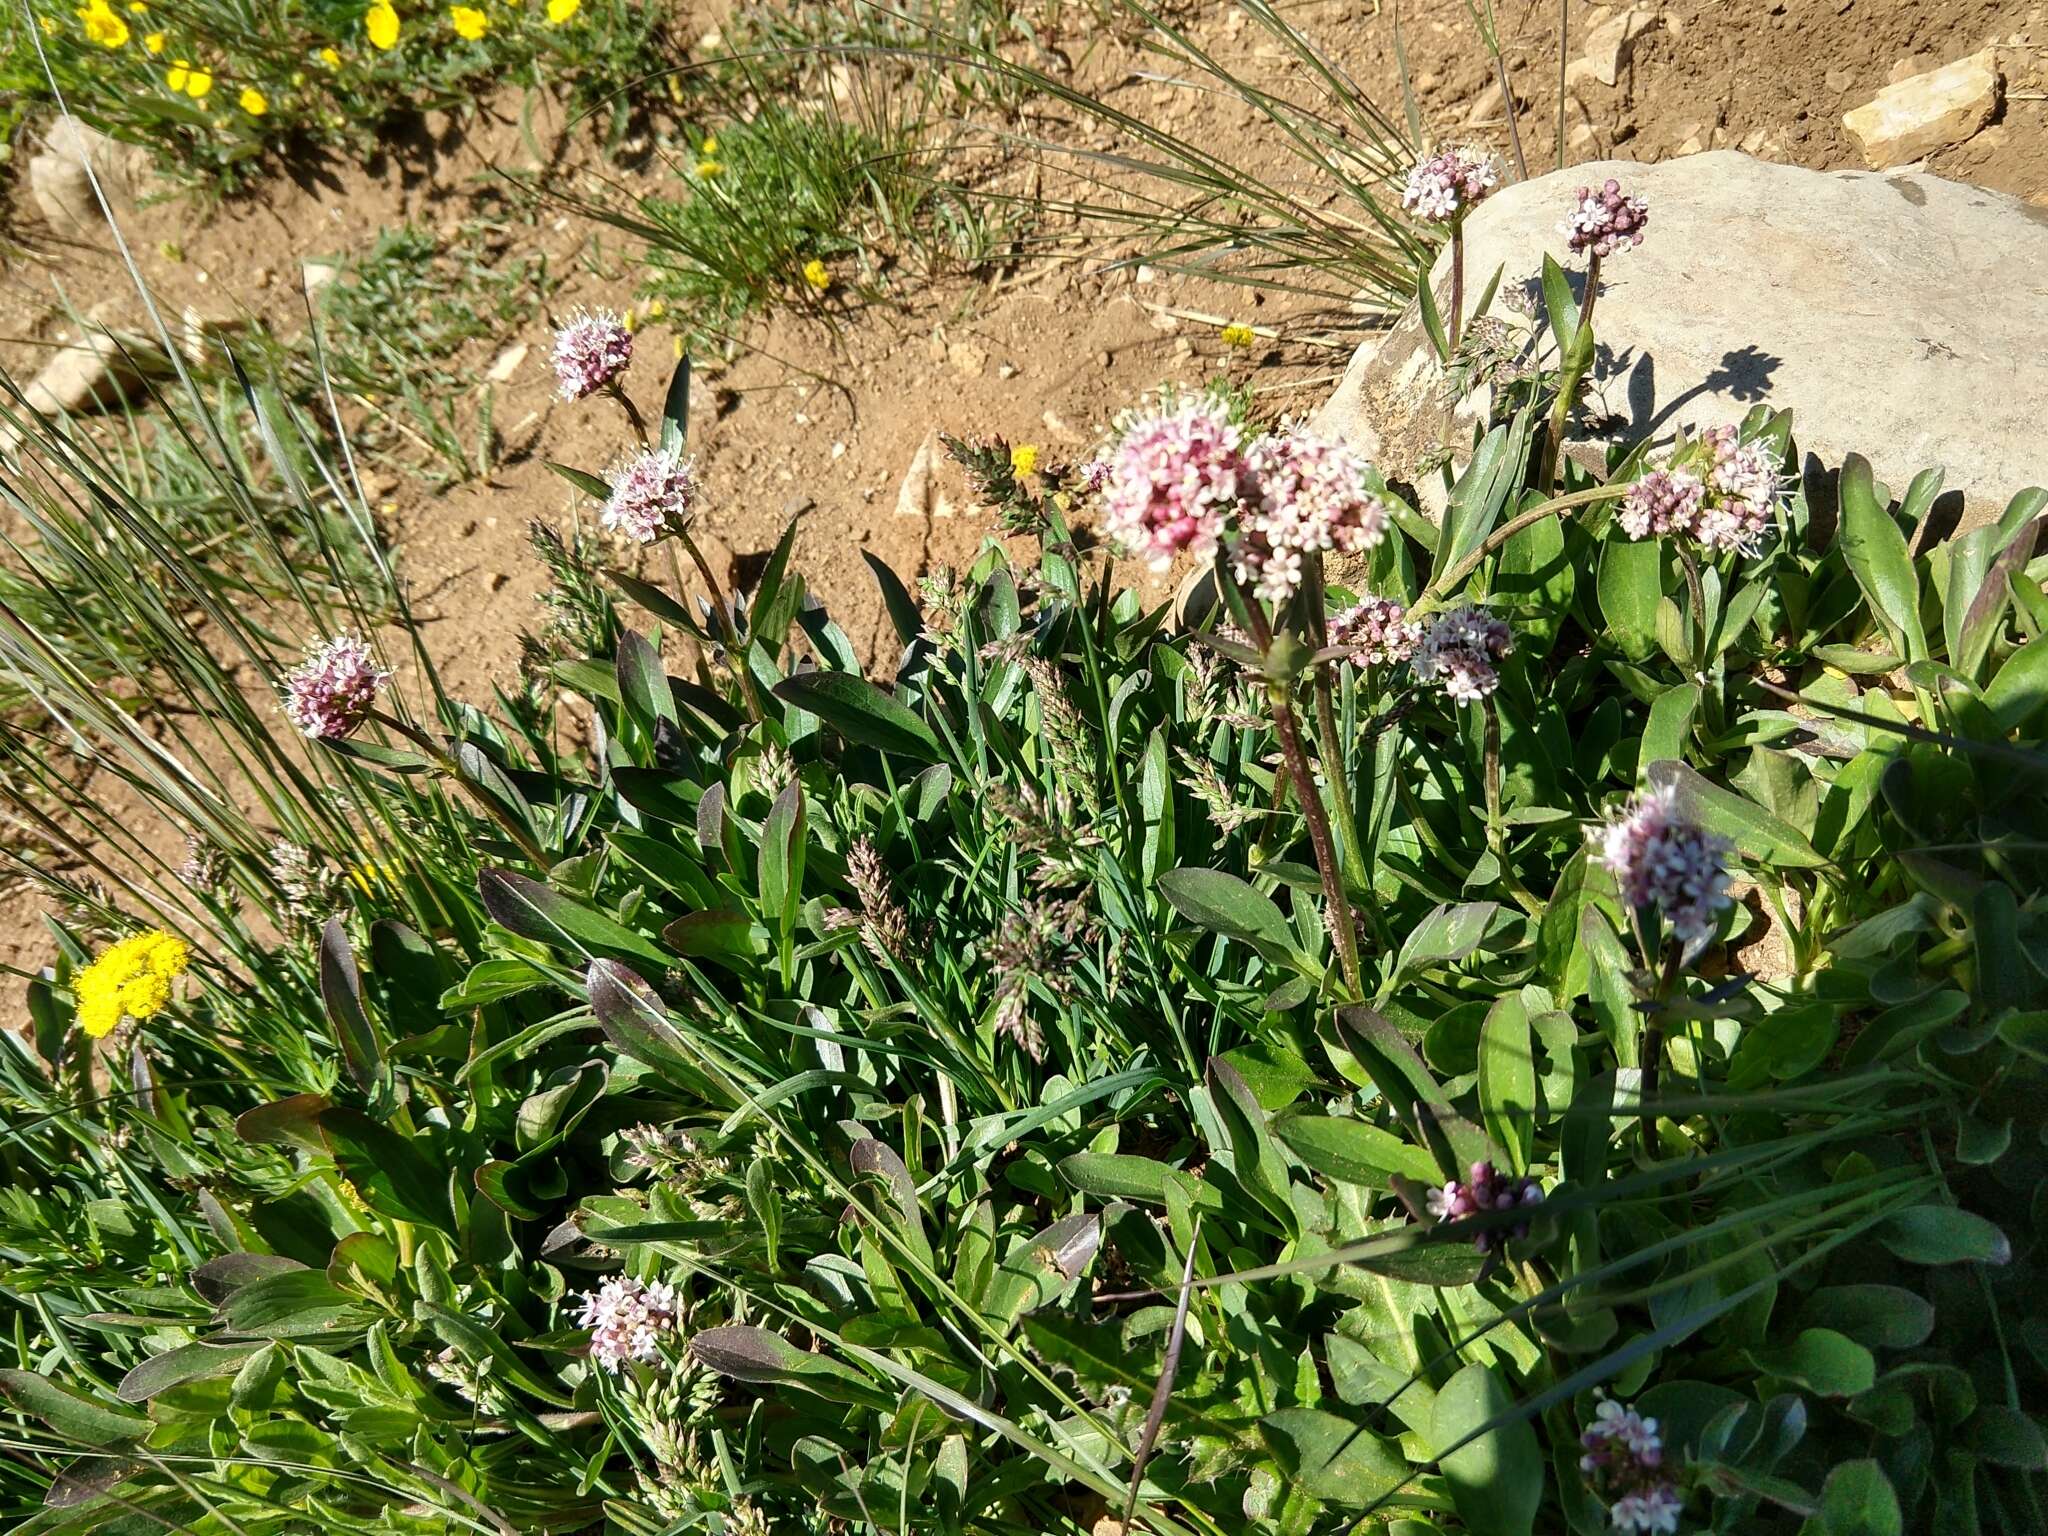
[102,26]
[818,275]
[1237,334]
[1023,458]
[133,978]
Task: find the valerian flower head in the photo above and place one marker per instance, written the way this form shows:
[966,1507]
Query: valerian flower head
[331,693]
[1604,220]
[591,351]
[1487,1189]
[1716,489]
[652,495]
[132,979]
[1376,630]
[1303,495]
[1171,483]
[1622,1457]
[1460,653]
[1661,860]
[627,1319]
[1445,187]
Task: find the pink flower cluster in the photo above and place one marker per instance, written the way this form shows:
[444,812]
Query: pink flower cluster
[1304,496]
[1622,1455]
[1487,1190]
[1377,632]
[1446,186]
[652,495]
[591,350]
[1661,860]
[1719,490]
[1171,483]
[331,693]
[1605,220]
[627,1319]
[1460,653]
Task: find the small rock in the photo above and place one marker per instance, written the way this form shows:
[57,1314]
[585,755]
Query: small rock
[968,359]
[1581,137]
[507,364]
[1838,81]
[919,495]
[494,581]
[1006,370]
[63,191]
[1694,140]
[105,367]
[315,275]
[1913,118]
[201,328]
[1486,106]
[1607,48]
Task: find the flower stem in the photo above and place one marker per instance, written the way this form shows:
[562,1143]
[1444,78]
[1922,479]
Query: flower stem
[1507,96]
[450,768]
[722,620]
[1443,582]
[1650,1056]
[1329,748]
[1343,927]
[1698,594]
[1496,829]
[633,416]
[1457,284]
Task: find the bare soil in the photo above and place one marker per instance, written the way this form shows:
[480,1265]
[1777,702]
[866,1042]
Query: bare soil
[821,414]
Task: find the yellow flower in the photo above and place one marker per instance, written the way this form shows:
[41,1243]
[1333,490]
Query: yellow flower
[559,11]
[1023,458]
[381,22]
[330,58]
[711,145]
[252,101]
[630,321]
[368,877]
[48,24]
[154,42]
[470,22]
[678,348]
[190,79]
[132,979]
[1236,335]
[818,275]
[706,169]
[656,309]
[138,7]
[102,26]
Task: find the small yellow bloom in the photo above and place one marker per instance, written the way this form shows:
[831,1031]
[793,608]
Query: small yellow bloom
[706,169]
[381,23]
[189,79]
[132,979]
[330,58]
[711,145]
[470,23]
[253,102]
[102,26]
[48,24]
[818,275]
[154,42]
[1236,335]
[630,321]
[1023,458]
[656,309]
[559,11]
[368,877]
[138,7]
[678,348]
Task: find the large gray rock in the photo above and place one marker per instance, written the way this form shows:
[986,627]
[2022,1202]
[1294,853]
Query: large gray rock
[1897,316]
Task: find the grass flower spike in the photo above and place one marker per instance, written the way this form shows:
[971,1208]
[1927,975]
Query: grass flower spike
[591,351]
[1661,860]
[627,1320]
[1460,653]
[1605,220]
[132,980]
[1171,484]
[1450,184]
[652,495]
[331,693]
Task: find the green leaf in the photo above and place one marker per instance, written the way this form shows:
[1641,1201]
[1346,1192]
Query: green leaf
[1630,584]
[583,480]
[675,407]
[1558,303]
[535,911]
[751,1354]
[1875,551]
[71,1414]
[1331,1458]
[294,1304]
[1255,1157]
[1222,903]
[862,713]
[1118,1176]
[175,1367]
[1856,1500]
[1822,1361]
[1354,1151]
[1669,726]
[1756,833]
[1488,1453]
[341,990]
[643,681]
[1507,1080]
[781,861]
[2018,691]
[1447,935]
[1942,1234]
[902,609]
[2006,1437]
[1432,321]
[1275,1075]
